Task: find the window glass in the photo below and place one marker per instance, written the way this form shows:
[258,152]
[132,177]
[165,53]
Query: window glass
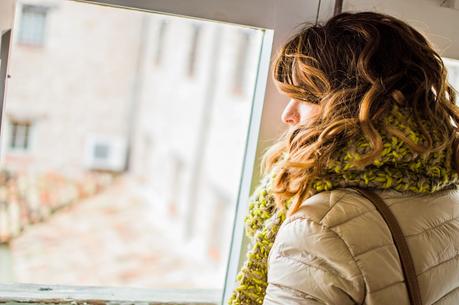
[135,167]
[33,25]
[19,135]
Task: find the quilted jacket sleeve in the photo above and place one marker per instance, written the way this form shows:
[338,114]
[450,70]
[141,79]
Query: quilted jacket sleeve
[309,264]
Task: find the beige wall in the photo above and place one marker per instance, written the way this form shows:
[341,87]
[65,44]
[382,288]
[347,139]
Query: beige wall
[6,14]
[440,24]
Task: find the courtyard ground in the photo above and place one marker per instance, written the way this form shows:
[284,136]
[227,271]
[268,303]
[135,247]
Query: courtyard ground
[115,238]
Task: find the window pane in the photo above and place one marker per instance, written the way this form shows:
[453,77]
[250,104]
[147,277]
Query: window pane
[32,26]
[135,168]
[19,135]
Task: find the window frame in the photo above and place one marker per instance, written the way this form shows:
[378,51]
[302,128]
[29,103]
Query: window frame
[5,44]
[277,21]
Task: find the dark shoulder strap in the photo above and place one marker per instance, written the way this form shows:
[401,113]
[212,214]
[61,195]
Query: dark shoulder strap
[400,243]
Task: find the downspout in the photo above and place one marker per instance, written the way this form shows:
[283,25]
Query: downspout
[136,91]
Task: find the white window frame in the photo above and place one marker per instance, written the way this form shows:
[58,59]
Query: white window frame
[7,12]
[278,19]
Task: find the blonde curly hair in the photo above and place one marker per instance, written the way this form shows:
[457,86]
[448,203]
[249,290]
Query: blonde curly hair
[356,66]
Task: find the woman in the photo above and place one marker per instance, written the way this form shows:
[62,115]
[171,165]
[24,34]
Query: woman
[371,108]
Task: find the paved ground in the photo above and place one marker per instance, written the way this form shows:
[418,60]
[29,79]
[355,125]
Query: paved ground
[111,239]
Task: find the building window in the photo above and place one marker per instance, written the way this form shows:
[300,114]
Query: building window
[20,135]
[33,24]
[101,151]
[240,67]
[160,43]
[192,55]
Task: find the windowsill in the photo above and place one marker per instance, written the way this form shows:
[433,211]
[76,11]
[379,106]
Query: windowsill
[18,151]
[61,294]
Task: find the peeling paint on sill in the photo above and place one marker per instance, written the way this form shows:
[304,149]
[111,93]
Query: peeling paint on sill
[35,294]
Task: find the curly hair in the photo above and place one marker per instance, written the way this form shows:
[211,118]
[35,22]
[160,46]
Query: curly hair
[355,67]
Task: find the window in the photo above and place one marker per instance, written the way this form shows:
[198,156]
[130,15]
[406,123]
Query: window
[170,110]
[160,199]
[20,136]
[33,25]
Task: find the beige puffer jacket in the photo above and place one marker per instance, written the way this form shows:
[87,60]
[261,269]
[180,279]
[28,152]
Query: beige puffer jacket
[337,250]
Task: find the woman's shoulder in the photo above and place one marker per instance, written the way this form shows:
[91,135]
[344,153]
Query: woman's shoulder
[309,258]
[340,206]
[329,208]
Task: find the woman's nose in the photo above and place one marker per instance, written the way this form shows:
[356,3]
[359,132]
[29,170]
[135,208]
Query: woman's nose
[290,115]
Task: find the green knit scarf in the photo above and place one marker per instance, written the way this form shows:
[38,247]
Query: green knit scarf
[396,168]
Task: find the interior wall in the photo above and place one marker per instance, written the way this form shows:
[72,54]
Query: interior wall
[6,14]
[432,18]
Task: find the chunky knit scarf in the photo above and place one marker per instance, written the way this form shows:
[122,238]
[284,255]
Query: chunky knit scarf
[398,167]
